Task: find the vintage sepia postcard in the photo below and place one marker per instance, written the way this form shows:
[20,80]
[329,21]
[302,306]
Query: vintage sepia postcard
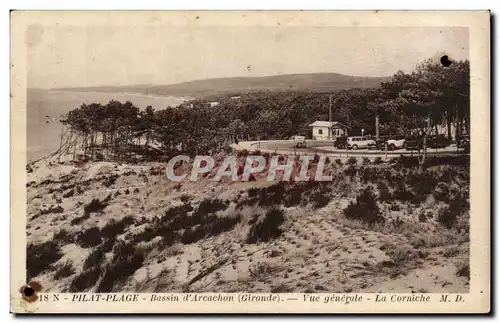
[250,162]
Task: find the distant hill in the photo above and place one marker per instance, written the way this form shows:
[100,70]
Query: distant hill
[319,82]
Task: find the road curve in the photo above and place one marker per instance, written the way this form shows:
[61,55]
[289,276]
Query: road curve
[325,147]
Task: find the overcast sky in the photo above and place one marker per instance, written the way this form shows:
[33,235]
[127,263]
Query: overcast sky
[92,56]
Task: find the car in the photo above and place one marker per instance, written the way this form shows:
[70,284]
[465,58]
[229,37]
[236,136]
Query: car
[437,141]
[379,143]
[414,142]
[360,142]
[396,142]
[340,142]
[299,141]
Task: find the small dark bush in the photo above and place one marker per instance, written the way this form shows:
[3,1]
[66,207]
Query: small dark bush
[63,236]
[110,180]
[243,153]
[384,194]
[315,159]
[351,171]
[77,221]
[424,216]
[403,194]
[89,238]
[378,161]
[39,257]
[114,228]
[64,270]
[95,206]
[408,162]
[185,198]
[126,261]
[268,228]
[352,161]
[441,192]
[85,280]
[395,207]
[320,200]
[265,196]
[69,193]
[399,254]
[209,206]
[339,161]
[448,215]
[107,245]
[366,161]
[365,209]
[95,258]
[463,270]
[52,209]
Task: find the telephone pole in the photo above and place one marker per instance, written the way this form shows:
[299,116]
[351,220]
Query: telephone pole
[330,118]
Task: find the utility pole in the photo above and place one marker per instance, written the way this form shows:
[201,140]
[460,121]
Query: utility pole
[377,125]
[330,118]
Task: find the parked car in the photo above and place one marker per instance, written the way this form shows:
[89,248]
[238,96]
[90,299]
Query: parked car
[414,142]
[437,141]
[340,142]
[299,141]
[396,142]
[379,143]
[359,142]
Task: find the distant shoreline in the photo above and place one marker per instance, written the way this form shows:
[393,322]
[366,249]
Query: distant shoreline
[143,95]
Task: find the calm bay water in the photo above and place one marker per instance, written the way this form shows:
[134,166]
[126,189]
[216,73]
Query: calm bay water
[45,108]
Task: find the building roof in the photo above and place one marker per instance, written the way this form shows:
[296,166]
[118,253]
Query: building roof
[327,124]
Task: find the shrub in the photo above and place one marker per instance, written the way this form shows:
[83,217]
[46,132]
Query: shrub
[95,258]
[338,161]
[185,198]
[52,209]
[85,280]
[114,228]
[351,171]
[265,196]
[110,180]
[352,161]
[463,269]
[39,257]
[126,261]
[69,193]
[243,153]
[212,226]
[384,194]
[320,199]
[366,161]
[78,220]
[441,192]
[209,206]
[89,238]
[95,206]
[424,216]
[64,270]
[365,209]
[408,162]
[315,159]
[268,228]
[403,194]
[378,161]
[63,236]
[399,254]
[451,251]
